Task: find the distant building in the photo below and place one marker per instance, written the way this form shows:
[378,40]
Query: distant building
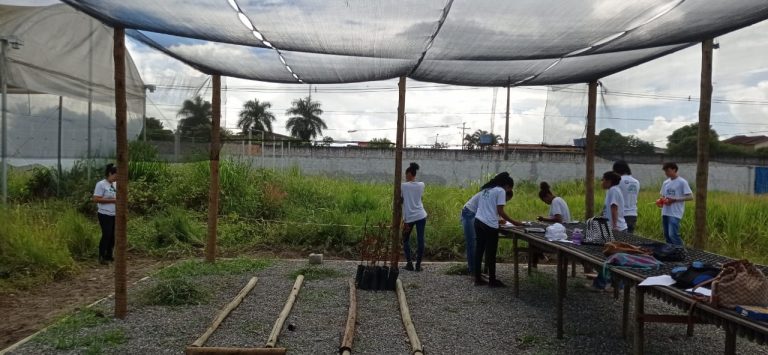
[750,143]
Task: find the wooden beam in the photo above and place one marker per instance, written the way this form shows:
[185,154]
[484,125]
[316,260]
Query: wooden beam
[278,327]
[121,205]
[702,155]
[225,312]
[589,178]
[213,191]
[410,329]
[234,351]
[397,212]
[349,330]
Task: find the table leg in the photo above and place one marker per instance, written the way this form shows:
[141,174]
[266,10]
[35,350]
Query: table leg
[639,325]
[625,311]
[516,261]
[561,278]
[531,255]
[573,268]
[730,340]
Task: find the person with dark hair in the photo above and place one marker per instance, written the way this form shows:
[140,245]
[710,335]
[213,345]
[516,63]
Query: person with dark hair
[105,195]
[630,188]
[490,207]
[613,207]
[468,224]
[558,209]
[674,192]
[613,210]
[414,215]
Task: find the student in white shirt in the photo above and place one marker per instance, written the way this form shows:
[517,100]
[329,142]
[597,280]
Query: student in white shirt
[558,209]
[675,191]
[105,195]
[414,215]
[490,208]
[613,207]
[468,224]
[630,188]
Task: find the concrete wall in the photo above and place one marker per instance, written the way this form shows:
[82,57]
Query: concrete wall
[460,168]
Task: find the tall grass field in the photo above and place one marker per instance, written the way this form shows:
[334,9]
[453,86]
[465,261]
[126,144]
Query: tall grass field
[45,236]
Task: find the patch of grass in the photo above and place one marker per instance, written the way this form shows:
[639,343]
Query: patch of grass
[316,273]
[67,334]
[314,296]
[194,268]
[456,269]
[174,292]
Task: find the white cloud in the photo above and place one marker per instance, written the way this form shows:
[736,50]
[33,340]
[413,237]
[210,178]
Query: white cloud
[661,127]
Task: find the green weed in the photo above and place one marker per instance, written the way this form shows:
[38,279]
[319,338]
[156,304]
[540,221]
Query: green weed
[194,268]
[456,269]
[68,333]
[174,292]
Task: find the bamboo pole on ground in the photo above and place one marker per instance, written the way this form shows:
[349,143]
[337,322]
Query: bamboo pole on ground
[702,156]
[213,191]
[225,312]
[235,351]
[413,338]
[272,341]
[121,205]
[397,212]
[589,179]
[349,330]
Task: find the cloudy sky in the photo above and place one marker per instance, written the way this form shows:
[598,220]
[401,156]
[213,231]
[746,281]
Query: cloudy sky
[648,101]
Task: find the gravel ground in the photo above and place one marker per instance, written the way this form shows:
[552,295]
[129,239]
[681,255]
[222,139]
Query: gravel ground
[451,316]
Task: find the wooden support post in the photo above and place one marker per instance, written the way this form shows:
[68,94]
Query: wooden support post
[58,149]
[639,321]
[410,329]
[516,262]
[349,330]
[225,312]
[213,190]
[121,205]
[625,310]
[506,129]
[730,339]
[397,212]
[702,156]
[562,270]
[589,179]
[278,327]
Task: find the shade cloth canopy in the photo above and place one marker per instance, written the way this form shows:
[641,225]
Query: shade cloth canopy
[462,42]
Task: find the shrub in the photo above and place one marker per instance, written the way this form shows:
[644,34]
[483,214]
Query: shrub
[175,226]
[80,235]
[41,184]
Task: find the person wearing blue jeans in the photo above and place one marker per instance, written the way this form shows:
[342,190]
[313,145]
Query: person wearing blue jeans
[414,215]
[468,224]
[674,192]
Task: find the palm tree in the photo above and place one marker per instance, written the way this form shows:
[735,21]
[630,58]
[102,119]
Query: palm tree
[255,116]
[305,122]
[196,119]
[472,142]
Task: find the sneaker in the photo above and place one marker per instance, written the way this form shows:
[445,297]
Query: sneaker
[496,283]
[590,275]
[409,266]
[480,282]
[418,266]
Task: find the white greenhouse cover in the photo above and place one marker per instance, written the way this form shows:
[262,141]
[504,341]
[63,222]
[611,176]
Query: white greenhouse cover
[65,53]
[462,42]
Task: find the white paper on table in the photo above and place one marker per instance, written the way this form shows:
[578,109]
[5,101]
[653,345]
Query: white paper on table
[663,280]
[564,241]
[701,290]
[507,225]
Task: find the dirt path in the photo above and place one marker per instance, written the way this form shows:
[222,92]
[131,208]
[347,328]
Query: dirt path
[25,312]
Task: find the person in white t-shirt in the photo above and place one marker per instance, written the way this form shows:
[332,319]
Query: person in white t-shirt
[414,215]
[468,224]
[630,188]
[613,207]
[558,209]
[105,195]
[674,192]
[490,208]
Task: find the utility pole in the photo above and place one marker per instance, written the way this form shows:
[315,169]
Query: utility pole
[463,129]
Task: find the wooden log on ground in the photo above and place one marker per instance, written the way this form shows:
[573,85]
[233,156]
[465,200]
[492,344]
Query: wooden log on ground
[416,348]
[225,312]
[272,341]
[234,351]
[349,330]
